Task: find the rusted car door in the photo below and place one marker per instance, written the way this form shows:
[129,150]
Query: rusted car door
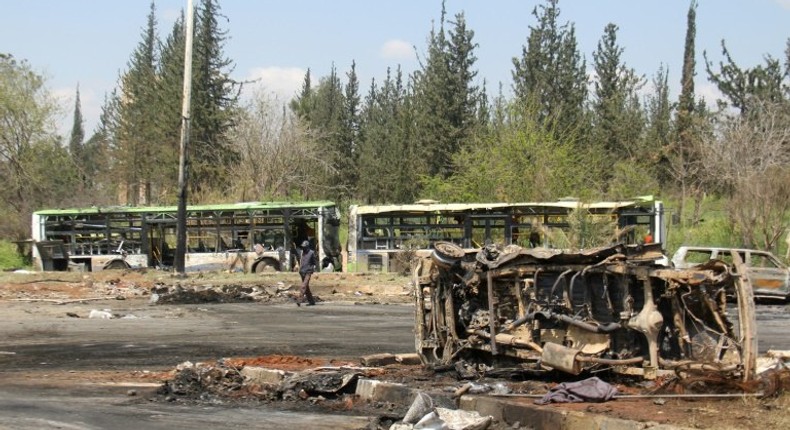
[768,275]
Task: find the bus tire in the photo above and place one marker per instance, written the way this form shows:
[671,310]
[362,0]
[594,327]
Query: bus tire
[116,265]
[267,265]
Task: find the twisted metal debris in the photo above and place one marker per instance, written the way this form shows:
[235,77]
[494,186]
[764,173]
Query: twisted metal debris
[538,309]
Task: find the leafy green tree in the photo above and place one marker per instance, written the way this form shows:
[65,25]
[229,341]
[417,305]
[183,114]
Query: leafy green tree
[35,169]
[348,174]
[617,121]
[744,87]
[551,73]
[99,167]
[169,90]
[524,161]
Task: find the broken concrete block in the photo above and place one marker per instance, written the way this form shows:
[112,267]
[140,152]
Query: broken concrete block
[378,360]
[261,375]
[366,388]
[399,394]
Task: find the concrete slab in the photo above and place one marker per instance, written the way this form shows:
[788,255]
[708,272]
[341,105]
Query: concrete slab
[546,417]
[261,375]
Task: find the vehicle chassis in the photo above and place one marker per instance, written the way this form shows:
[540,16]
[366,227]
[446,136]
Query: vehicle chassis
[540,309]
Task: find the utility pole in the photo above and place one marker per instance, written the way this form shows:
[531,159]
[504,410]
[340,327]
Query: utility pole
[181,220]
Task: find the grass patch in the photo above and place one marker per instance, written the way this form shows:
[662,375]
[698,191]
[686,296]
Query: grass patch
[9,257]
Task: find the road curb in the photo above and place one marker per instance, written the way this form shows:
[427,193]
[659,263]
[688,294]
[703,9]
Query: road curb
[506,410]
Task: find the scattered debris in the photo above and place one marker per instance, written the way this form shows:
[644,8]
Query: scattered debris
[424,414]
[105,314]
[195,294]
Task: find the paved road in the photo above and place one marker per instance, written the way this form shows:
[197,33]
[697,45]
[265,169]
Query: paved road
[36,339]
[39,338]
[773,327]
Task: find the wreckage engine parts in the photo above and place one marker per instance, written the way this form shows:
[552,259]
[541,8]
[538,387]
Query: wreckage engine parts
[538,309]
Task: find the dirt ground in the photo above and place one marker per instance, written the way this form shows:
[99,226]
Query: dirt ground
[48,341]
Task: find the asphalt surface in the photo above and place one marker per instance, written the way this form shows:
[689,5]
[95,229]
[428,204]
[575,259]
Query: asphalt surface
[40,340]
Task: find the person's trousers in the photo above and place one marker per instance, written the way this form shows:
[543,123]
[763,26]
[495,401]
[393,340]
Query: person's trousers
[304,292]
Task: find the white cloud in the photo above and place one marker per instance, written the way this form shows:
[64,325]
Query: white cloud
[785,4]
[710,92]
[283,81]
[397,50]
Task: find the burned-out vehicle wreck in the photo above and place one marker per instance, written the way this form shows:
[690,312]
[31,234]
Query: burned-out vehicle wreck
[536,310]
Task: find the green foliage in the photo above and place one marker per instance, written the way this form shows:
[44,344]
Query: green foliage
[631,178]
[523,162]
[551,72]
[587,231]
[445,99]
[744,87]
[214,103]
[77,132]
[714,229]
[390,159]
[34,168]
[135,128]
[9,256]
[617,115]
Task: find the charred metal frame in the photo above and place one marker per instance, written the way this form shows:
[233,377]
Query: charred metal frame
[612,308]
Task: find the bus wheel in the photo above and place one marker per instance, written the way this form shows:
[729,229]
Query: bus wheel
[115,265]
[265,266]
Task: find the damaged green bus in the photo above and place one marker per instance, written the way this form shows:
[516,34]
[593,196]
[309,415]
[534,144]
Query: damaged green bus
[383,237]
[249,236]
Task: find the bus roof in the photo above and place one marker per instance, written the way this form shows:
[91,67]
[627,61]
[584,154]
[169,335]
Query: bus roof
[459,207]
[214,207]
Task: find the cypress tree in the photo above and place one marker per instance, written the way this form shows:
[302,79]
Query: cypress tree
[135,131]
[388,160]
[617,121]
[302,104]
[550,73]
[169,90]
[327,123]
[214,104]
[77,131]
[445,96]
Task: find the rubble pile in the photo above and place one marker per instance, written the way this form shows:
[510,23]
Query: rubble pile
[233,293]
[204,381]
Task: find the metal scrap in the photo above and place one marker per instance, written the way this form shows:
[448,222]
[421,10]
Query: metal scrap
[539,310]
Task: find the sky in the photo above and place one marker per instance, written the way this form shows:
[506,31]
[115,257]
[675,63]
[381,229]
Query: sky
[273,42]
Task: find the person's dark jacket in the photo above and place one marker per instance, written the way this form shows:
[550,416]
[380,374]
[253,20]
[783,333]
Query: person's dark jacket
[308,262]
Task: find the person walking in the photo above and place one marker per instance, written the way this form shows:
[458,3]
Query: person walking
[307,267]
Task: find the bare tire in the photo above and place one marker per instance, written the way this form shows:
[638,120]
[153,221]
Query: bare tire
[267,266]
[115,265]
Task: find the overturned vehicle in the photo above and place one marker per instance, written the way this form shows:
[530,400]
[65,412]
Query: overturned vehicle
[540,309]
